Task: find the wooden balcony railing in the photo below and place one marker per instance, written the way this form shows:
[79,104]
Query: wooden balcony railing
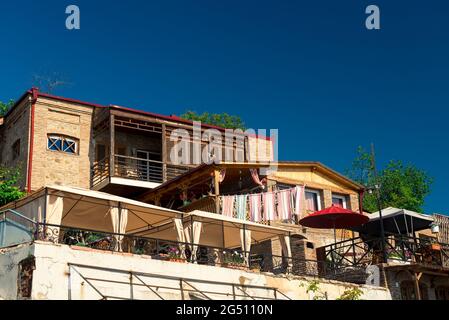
[100,172]
[136,169]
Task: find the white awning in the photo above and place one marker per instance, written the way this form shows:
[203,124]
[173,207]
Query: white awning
[94,210]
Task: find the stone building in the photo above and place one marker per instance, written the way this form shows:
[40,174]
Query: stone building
[104,188]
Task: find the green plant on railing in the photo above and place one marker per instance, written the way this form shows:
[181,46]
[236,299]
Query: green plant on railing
[351,294]
[314,287]
[174,253]
[233,258]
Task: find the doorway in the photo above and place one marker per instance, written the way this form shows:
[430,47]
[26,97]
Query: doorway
[149,165]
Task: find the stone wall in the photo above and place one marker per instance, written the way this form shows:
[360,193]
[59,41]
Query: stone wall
[54,167]
[429,283]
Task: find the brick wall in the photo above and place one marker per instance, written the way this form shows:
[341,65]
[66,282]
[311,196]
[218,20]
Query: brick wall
[53,167]
[15,127]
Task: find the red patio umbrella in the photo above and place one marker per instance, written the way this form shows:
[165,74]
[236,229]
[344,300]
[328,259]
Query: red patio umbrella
[334,217]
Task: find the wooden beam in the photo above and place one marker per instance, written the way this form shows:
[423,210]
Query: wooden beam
[164,153]
[112,145]
[217,189]
[313,185]
[187,180]
[416,284]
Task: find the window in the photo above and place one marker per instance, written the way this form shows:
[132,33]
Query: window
[63,144]
[313,200]
[16,149]
[339,200]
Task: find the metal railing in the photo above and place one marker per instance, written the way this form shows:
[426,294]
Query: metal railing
[161,249]
[163,287]
[181,252]
[134,168]
[139,169]
[398,248]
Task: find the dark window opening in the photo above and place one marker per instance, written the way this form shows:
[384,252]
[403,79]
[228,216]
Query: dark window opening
[310,245]
[16,149]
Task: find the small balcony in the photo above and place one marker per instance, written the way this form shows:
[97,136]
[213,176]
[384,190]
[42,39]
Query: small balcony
[131,153]
[139,173]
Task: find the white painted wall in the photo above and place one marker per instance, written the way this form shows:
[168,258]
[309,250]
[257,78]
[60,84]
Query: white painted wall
[51,278]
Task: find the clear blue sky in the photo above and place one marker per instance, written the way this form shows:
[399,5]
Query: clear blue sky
[309,68]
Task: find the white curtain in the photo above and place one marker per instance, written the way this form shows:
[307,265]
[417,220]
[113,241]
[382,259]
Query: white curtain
[122,226]
[115,219]
[53,215]
[196,232]
[197,226]
[245,243]
[286,250]
[180,236]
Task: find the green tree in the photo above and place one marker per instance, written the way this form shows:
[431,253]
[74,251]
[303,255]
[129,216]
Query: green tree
[351,294]
[401,185]
[9,191]
[217,119]
[314,287]
[4,107]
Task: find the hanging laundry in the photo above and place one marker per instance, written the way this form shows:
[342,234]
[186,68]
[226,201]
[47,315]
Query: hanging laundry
[268,206]
[284,208]
[241,205]
[298,199]
[227,205]
[255,177]
[255,207]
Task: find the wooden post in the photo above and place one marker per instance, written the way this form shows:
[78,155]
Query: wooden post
[157,200]
[164,153]
[217,190]
[112,145]
[416,278]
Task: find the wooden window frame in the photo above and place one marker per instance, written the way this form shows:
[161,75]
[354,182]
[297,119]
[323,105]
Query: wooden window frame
[72,147]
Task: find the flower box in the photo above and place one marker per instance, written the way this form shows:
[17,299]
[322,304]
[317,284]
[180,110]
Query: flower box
[436,246]
[176,260]
[235,266]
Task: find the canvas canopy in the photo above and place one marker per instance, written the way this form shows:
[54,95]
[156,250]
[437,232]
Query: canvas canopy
[397,221]
[88,209]
[216,230]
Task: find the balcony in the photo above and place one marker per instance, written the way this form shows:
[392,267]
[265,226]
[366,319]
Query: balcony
[133,172]
[131,153]
[399,250]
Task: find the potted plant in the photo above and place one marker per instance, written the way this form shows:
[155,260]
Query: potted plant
[174,254]
[234,260]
